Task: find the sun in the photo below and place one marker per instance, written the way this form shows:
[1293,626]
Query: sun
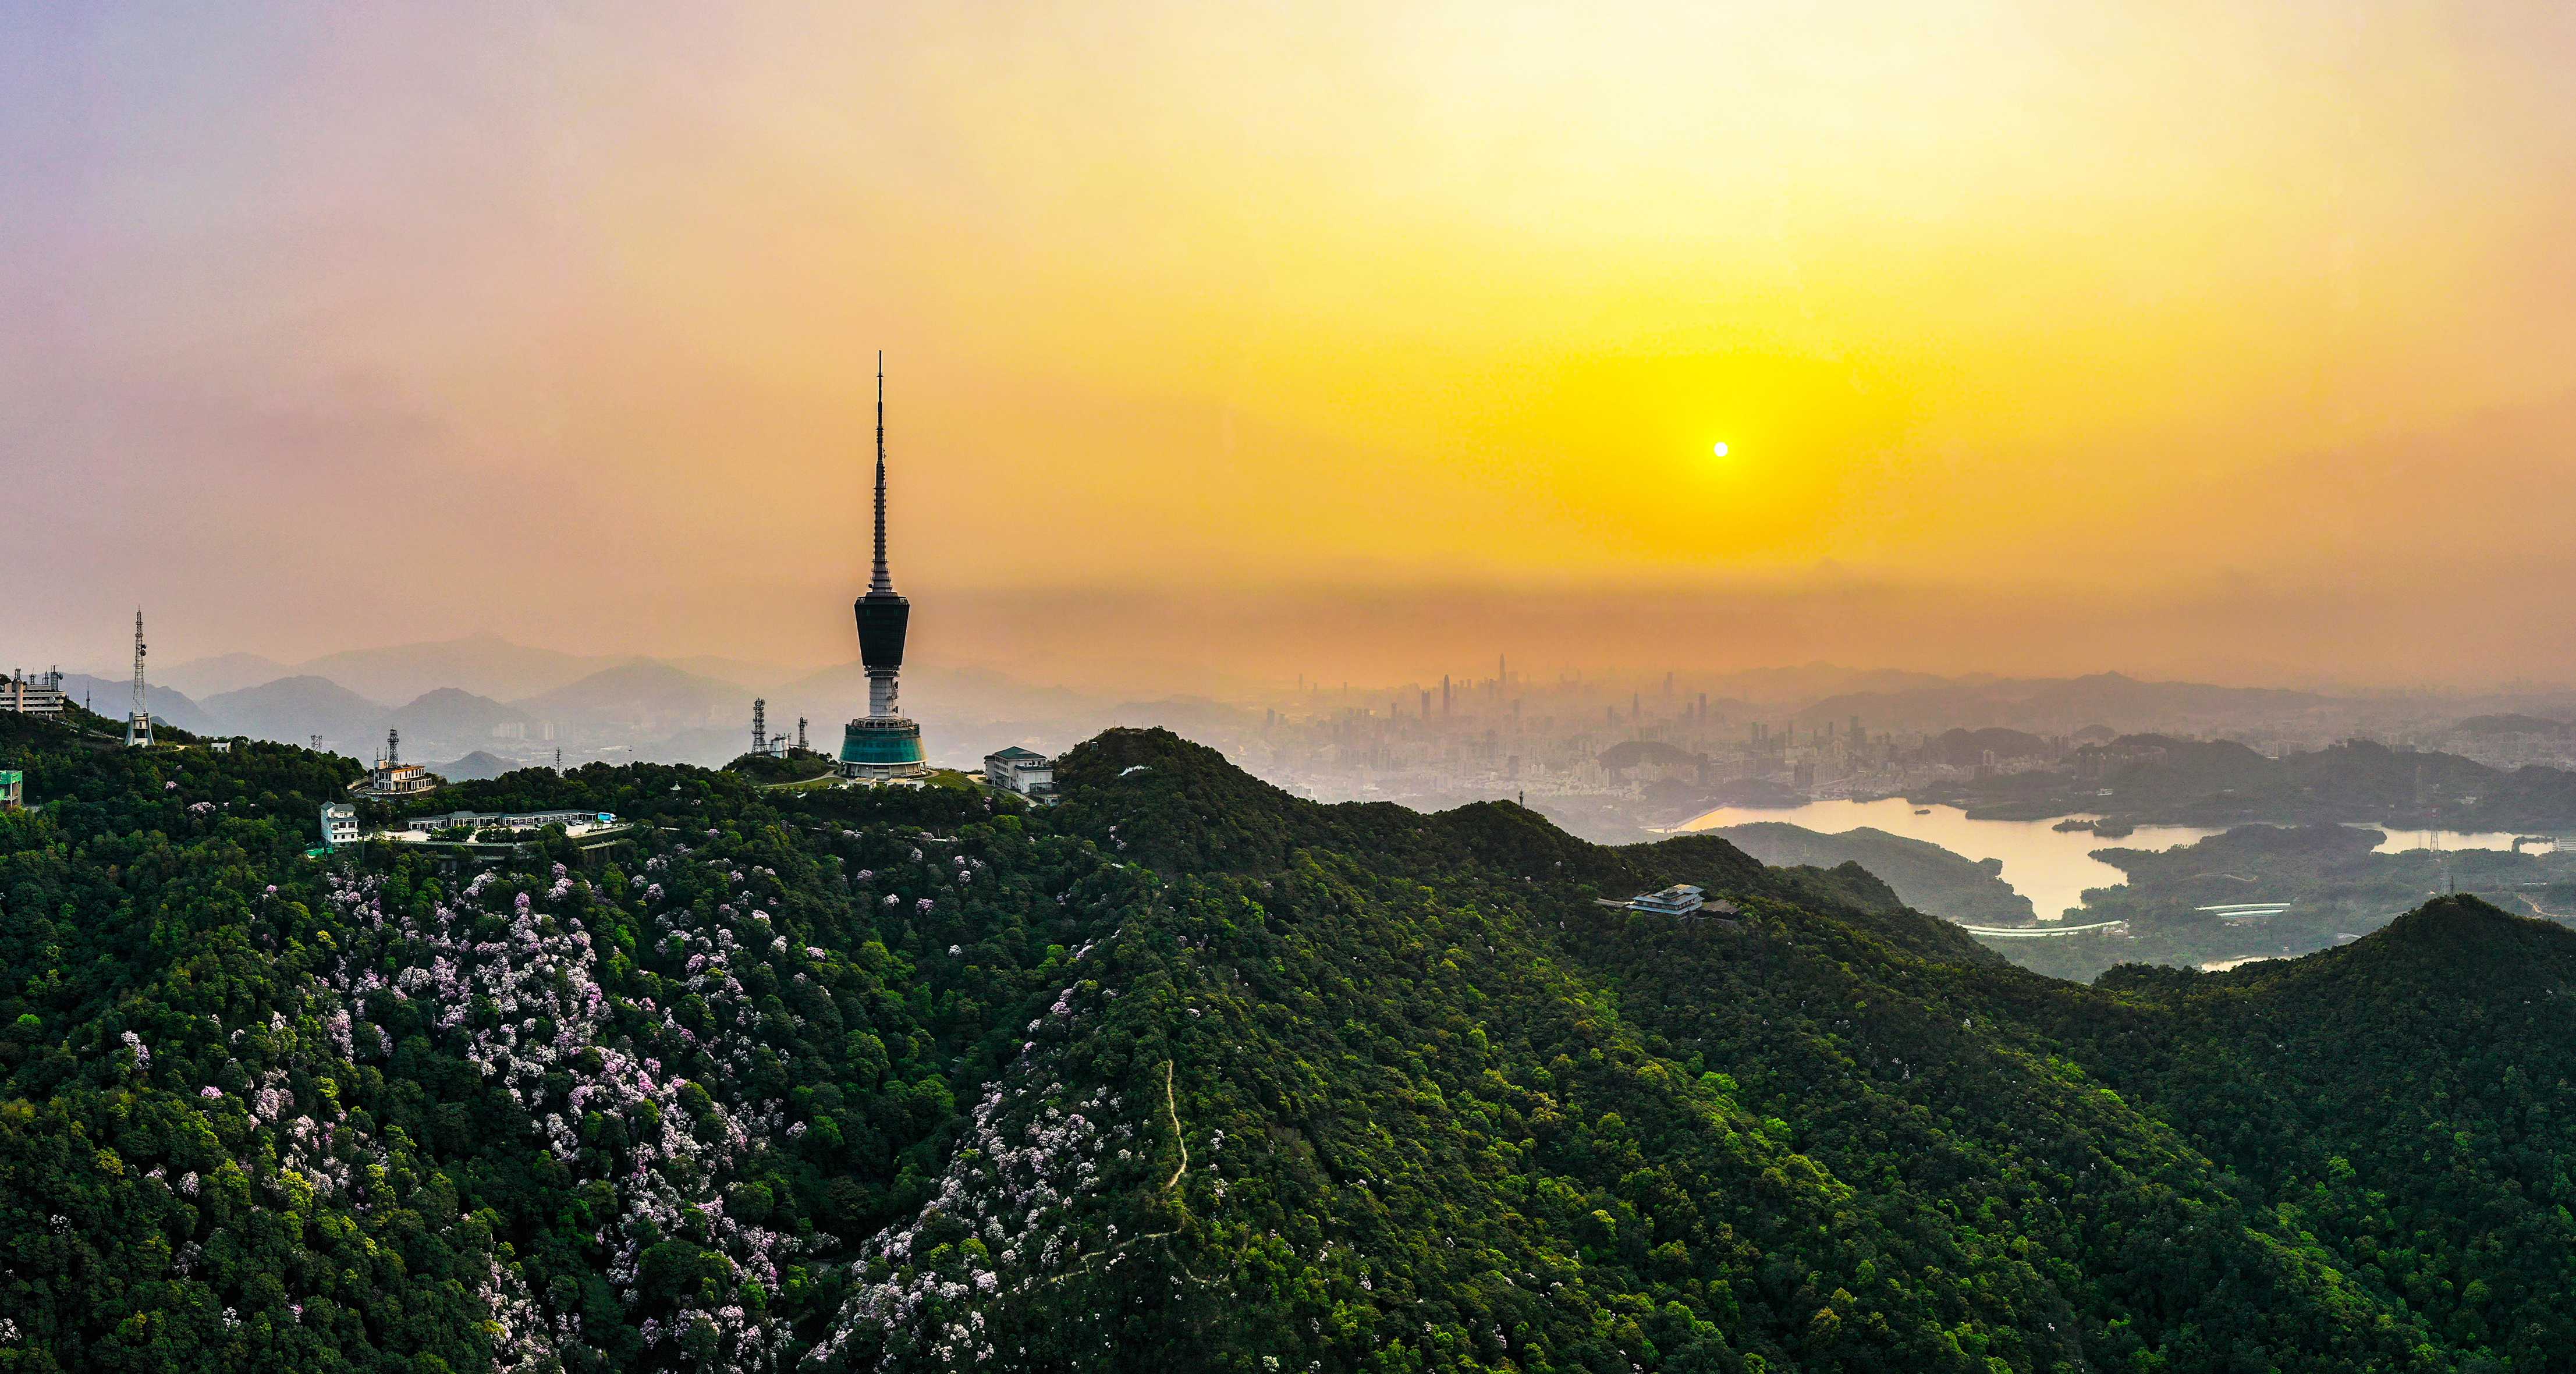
[1721,448]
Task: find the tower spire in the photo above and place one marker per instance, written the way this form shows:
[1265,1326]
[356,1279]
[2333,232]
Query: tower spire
[884,580]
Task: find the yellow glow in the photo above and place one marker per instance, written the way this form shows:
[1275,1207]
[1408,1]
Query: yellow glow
[1982,292]
[1404,289]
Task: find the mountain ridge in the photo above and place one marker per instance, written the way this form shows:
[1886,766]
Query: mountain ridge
[1187,1071]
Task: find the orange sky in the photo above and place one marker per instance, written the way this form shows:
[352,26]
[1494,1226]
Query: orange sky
[2200,338]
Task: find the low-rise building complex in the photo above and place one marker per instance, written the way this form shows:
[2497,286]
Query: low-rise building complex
[35,694]
[1025,771]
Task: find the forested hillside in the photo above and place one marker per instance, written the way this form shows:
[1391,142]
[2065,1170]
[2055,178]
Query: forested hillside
[1186,1073]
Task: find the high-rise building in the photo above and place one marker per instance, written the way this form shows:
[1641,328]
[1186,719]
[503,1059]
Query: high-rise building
[883,743]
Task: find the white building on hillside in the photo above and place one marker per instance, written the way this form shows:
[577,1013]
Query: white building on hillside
[36,694]
[1027,772]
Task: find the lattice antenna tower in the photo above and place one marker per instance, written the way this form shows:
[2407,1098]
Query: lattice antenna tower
[760,725]
[138,724]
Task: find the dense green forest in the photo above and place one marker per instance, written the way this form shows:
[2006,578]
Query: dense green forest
[1184,1072]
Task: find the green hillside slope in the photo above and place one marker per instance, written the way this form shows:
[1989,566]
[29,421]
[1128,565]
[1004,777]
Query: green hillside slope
[1186,1073]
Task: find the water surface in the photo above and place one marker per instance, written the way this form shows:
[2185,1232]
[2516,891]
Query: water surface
[2049,866]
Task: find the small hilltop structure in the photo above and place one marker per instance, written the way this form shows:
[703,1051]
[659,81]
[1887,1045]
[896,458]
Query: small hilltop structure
[391,779]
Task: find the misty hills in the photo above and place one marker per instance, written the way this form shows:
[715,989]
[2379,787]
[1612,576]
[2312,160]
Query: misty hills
[484,664]
[450,713]
[2064,705]
[109,697]
[630,703]
[1923,875]
[645,697]
[475,767]
[2161,779]
[294,708]
[205,677]
[2512,724]
[452,696]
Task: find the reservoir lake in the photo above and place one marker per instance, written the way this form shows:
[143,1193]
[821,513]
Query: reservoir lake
[2051,867]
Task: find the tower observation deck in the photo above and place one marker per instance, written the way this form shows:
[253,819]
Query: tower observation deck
[882,743]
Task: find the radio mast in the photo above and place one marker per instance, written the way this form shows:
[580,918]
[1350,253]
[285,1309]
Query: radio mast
[138,725]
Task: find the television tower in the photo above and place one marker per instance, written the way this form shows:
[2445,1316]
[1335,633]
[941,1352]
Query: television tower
[882,744]
[138,726]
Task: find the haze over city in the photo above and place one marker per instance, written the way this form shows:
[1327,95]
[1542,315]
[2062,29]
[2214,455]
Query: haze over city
[1357,341]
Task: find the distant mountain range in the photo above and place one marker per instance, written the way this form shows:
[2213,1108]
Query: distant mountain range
[634,708]
[294,709]
[475,767]
[109,697]
[680,711]
[2064,705]
[485,665]
[2509,725]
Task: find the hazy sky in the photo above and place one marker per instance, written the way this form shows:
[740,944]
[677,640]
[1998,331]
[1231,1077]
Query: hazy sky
[2225,339]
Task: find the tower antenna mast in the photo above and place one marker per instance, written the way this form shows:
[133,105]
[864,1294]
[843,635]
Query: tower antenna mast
[883,581]
[138,725]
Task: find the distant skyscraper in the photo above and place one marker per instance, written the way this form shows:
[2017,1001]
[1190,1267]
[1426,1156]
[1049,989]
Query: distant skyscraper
[882,744]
